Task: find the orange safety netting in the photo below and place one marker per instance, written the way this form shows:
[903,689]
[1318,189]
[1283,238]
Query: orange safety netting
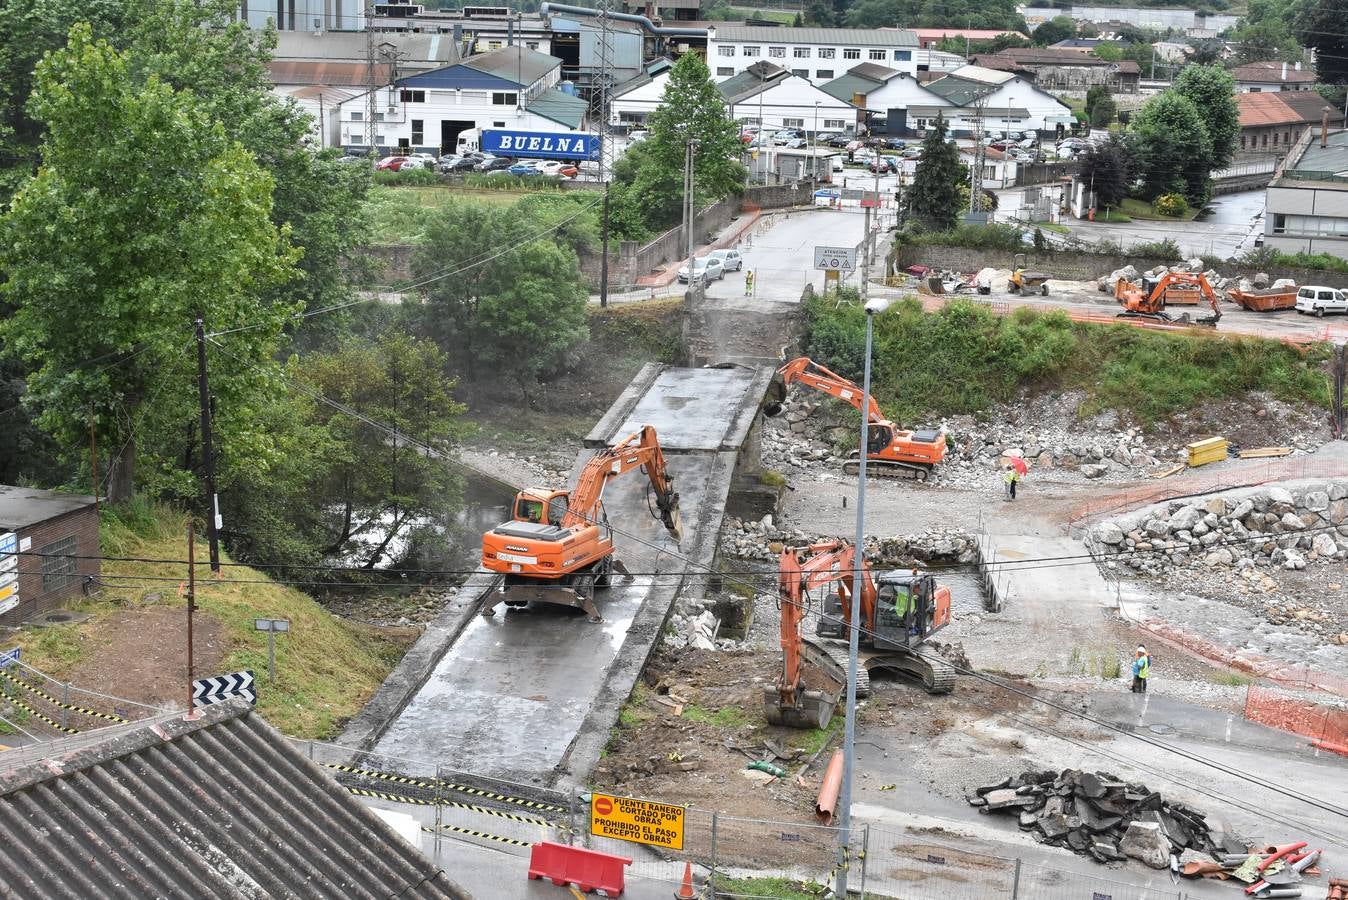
[1324,724]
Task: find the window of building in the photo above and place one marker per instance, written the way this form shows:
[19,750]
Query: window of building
[801,52]
[823,74]
[903,55]
[494,45]
[418,132]
[497,124]
[379,140]
[1242,142]
[1275,138]
[876,55]
[1264,141]
[827,52]
[504,98]
[1279,223]
[379,117]
[793,123]
[532,45]
[725,50]
[920,124]
[357,137]
[412,96]
[725,71]
[1256,90]
[357,116]
[751,50]
[777,52]
[852,53]
[58,564]
[834,124]
[801,73]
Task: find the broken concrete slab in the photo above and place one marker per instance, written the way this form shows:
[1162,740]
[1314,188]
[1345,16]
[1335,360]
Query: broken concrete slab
[1145,842]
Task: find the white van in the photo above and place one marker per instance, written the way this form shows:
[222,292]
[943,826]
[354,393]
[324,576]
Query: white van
[1320,300]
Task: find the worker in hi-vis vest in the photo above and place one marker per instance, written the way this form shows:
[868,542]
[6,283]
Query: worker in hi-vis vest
[1141,670]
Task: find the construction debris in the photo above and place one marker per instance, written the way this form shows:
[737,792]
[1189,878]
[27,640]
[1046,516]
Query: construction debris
[1264,452]
[1098,815]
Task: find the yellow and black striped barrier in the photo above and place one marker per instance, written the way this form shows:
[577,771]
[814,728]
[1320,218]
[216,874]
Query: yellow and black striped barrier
[485,835]
[432,783]
[82,710]
[39,716]
[397,798]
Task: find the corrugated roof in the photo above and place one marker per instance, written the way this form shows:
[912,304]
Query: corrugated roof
[21,507]
[560,107]
[1332,159]
[982,74]
[333,74]
[862,37]
[874,72]
[417,51]
[845,87]
[516,63]
[973,34]
[1271,72]
[221,806]
[960,91]
[1282,108]
[1045,56]
[462,77]
[753,80]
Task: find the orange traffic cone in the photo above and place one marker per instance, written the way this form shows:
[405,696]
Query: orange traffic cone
[685,891]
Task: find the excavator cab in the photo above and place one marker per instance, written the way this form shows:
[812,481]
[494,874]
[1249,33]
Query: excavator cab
[909,608]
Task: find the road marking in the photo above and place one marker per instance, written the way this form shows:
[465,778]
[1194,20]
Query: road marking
[575,893]
[1146,701]
[1229,718]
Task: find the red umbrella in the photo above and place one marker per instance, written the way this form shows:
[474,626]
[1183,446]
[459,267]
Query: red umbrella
[1019,464]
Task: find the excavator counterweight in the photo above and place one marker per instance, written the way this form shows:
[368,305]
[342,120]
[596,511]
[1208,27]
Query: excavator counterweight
[1149,300]
[557,546]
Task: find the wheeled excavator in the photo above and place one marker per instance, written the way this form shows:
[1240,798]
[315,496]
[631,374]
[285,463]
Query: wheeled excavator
[900,611]
[1149,300]
[558,545]
[890,449]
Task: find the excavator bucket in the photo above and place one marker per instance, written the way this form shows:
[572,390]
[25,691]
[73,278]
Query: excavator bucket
[814,709]
[775,397]
[672,521]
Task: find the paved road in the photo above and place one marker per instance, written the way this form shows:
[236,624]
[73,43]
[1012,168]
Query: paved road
[780,251]
[1225,232]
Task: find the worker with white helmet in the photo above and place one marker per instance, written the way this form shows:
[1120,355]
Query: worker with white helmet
[1141,670]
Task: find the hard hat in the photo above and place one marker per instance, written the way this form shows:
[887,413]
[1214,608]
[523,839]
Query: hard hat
[1141,649]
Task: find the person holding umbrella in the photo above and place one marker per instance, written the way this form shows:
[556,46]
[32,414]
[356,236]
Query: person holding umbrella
[1014,472]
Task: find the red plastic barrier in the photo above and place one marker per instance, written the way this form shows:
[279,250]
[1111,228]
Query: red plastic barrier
[588,870]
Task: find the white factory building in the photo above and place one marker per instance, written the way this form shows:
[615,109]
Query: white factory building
[815,54]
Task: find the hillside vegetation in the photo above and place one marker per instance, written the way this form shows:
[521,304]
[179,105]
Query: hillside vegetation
[326,668]
[964,359]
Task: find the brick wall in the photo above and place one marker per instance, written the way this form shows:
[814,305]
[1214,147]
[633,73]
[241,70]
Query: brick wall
[82,525]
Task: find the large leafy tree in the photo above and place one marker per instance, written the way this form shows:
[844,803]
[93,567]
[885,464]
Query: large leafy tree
[934,14]
[692,110]
[1059,28]
[1320,24]
[1106,168]
[1172,148]
[934,197]
[114,247]
[1265,32]
[1213,93]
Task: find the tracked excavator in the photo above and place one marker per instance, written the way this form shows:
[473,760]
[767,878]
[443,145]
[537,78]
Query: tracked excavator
[890,450]
[900,611]
[1149,300]
[558,545]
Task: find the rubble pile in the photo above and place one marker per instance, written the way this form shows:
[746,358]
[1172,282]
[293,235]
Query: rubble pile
[763,540]
[1194,266]
[1097,815]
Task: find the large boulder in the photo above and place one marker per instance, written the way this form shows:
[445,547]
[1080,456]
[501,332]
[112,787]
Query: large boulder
[1324,545]
[1094,470]
[1185,518]
[1109,533]
[1317,501]
[1146,842]
[1243,509]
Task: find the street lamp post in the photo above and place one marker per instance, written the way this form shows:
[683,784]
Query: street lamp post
[873,308]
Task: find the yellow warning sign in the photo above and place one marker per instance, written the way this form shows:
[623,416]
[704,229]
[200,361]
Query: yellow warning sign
[638,821]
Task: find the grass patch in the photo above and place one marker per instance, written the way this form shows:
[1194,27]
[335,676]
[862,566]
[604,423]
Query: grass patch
[725,717]
[400,214]
[326,668]
[1114,216]
[973,359]
[813,740]
[786,17]
[1141,209]
[773,478]
[1268,258]
[776,888]
[1053,227]
[634,711]
[1231,679]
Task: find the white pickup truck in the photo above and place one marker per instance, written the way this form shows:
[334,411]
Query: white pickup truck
[1319,300]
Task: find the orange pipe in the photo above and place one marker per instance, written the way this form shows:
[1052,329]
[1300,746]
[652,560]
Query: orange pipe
[1280,852]
[1331,746]
[827,803]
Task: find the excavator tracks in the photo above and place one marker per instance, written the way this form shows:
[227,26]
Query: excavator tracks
[832,657]
[937,675]
[884,468]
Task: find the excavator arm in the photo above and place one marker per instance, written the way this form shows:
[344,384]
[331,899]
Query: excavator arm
[810,373]
[638,450]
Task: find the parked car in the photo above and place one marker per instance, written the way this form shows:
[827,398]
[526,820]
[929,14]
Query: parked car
[787,134]
[796,144]
[523,168]
[731,261]
[1316,300]
[557,169]
[823,137]
[1028,144]
[882,165]
[458,164]
[705,268]
[389,163]
[837,164]
[638,136]
[494,164]
[912,152]
[840,140]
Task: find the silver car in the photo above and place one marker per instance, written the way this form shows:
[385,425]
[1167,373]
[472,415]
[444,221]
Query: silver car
[731,261]
[705,268]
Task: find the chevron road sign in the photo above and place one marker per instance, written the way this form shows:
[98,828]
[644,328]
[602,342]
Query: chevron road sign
[206,691]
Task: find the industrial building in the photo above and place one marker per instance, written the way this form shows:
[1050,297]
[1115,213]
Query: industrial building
[817,54]
[49,550]
[1307,202]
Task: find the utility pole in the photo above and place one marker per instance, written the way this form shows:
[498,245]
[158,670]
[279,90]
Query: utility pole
[601,107]
[191,607]
[688,207]
[865,265]
[208,452]
[371,84]
[93,457]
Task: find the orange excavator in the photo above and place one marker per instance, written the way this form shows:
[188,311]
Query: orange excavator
[900,611]
[558,546]
[889,448]
[1149,300]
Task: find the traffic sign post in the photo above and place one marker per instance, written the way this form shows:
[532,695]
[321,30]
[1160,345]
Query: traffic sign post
[637,821]
[206,691]
[835,259]
[271,626]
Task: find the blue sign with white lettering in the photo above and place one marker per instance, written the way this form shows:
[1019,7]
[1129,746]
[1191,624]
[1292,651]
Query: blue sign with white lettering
[541,144]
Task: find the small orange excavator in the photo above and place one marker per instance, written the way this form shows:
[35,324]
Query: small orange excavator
[1175,288]
[558,546]
[900,611]
[889,448]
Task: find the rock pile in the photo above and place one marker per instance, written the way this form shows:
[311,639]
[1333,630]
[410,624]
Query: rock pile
[1193,266]
[1247,529]
[1097,815]
[763,540]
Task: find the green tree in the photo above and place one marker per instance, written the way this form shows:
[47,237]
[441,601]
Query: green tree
[934,198]
[1265,32]
[1108,50]
[819,14]
[1172,148]
[1100,106]
[692,109]
[1207,52]
[1059,28]
[114,247]
[1320,24]
[1105,168]
[1213,92]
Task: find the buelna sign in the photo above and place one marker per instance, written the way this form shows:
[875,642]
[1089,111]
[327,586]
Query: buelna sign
[541,144]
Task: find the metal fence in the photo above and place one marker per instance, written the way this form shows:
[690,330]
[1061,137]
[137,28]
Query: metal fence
[730,855]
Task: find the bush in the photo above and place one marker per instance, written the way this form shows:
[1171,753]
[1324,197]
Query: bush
[1172,205]
[1165,249]
[415,177]
[979,237]
[1266,258]
[512,182]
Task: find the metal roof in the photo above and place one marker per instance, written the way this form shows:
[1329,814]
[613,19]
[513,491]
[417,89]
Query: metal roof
[461,77]
[845,87]
[21,507]
[1047,56]
[560,107]
[1331,160]
[1283,108]
[862,37]
[960,91]
[221,806]
[1273,72]
[415,51]
[330,74]
[516,63]
[753,80]
[874,72]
